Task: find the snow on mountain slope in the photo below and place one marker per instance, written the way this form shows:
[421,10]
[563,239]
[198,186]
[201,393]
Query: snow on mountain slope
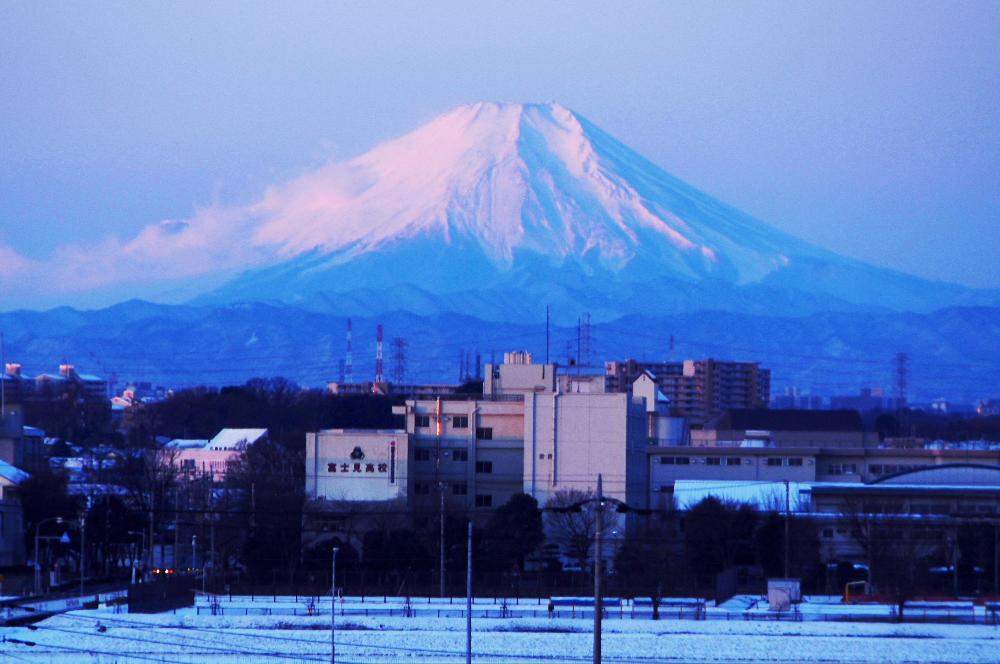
[518,178]
[525,196]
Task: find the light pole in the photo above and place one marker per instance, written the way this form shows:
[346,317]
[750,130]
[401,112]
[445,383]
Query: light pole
[598,600]
[38,568]
[333,607]
[468,597]
[142,553]
[83,549]
[194,552]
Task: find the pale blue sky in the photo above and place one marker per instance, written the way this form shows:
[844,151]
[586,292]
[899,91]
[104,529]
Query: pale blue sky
[869,128]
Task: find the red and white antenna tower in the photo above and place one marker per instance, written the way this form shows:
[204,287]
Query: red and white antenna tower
[379,373]
[349,360]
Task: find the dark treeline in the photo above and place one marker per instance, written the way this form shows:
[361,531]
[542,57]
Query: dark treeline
[286,410]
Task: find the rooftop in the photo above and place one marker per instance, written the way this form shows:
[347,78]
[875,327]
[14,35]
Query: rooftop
[787,420]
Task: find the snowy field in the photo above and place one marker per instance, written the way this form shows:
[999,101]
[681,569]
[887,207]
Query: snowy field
[106,636]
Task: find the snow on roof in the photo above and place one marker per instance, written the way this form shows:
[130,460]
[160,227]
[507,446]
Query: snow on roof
[232,439]
[12,473]
[186,443]
[763,495]
[33,432]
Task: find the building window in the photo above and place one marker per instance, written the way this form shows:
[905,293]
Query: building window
[713,461]
[421,488]
[187,464]
[484,466]
[460,455]
[667,461]
[422,454]
[460,422]
[835,469]
[484,500]
[734,461]
[484,433]
[422,420]
[460,489]
[682,461]
[774,461]
[795,461]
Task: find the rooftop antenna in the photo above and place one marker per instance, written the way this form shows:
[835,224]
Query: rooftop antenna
[547,333]
[349,360]
[379,369]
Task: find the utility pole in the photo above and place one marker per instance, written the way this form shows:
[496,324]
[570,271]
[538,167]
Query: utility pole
[788,510]
[439,429]
[333,607]
[468,597]
[194,551]
[598,600]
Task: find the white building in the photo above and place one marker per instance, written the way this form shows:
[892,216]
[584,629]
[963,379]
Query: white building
[357,464]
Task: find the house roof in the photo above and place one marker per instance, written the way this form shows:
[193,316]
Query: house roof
[33,432]
[787,420]
[233,439]
[12,473]
[186,443]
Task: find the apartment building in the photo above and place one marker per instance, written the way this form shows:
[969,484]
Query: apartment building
[698,389]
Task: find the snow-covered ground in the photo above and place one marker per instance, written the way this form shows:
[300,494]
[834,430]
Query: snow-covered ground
[105,636]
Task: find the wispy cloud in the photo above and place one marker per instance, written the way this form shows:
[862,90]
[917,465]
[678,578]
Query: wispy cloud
[214,239]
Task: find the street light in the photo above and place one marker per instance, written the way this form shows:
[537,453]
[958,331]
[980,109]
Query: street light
[38,571]
[602,502]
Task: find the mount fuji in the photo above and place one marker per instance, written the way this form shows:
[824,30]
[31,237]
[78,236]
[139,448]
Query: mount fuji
[493,212]
[499,206]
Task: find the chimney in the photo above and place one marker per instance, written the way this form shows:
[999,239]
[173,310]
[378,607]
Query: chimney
[13,369]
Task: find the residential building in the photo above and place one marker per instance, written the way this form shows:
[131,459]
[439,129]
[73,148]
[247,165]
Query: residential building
[213,457]
[698,389]
[11,516]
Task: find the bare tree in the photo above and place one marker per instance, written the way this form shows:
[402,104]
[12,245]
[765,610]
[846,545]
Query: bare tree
[571,522]
[898,549]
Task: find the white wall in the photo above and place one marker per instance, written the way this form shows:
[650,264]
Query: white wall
[332,473]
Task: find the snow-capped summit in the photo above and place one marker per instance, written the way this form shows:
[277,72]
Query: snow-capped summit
[517,178]
[505,195]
